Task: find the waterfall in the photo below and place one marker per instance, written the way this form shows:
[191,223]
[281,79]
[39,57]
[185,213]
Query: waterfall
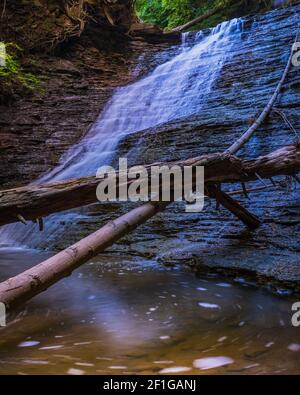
[175,89]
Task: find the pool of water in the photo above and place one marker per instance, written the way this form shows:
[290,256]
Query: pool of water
[121,316]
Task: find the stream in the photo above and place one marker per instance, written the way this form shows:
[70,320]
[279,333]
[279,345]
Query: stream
[134,309]
[121,316]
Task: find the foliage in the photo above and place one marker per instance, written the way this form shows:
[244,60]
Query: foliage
[172,13]
[12,77]
[165,13]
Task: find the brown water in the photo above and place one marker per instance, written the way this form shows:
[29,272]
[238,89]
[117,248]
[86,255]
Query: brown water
[138,317]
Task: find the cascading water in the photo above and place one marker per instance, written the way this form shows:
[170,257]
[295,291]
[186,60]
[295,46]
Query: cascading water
[175,89]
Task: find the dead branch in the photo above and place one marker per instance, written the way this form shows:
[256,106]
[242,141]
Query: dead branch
[197,20]
[238,144]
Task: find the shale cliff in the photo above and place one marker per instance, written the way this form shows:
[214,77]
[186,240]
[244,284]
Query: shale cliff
[64,72]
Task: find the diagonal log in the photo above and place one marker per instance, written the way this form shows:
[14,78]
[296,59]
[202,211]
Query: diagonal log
[19,289]
[233,206]
[37,201]
[238,144]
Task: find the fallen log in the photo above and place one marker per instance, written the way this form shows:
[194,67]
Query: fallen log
[198,20]
[37,201]
[233,206]
[19,289]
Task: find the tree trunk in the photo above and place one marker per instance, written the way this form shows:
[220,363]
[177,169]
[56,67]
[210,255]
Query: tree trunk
[36,201]
[19,289]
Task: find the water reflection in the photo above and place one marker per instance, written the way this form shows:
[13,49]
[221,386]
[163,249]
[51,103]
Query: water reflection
[133,317]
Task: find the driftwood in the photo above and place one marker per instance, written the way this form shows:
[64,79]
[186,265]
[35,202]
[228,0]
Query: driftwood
[238,144]
[36,201]
[24,286]
[19,289]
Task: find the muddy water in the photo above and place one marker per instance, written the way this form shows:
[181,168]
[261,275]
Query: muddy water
[133,316]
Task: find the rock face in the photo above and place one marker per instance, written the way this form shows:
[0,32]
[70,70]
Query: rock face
[214,240]
[77,81]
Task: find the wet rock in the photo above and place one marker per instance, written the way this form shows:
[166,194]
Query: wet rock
[76,86]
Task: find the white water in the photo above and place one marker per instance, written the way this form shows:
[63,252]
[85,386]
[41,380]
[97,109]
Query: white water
[175,89]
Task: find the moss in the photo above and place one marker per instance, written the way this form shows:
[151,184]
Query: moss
[172,13]
[13,78]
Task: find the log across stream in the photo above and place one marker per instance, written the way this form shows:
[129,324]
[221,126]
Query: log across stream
[37,201]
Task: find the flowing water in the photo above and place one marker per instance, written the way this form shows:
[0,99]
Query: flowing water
[118,316]
[123,312]
[174,89]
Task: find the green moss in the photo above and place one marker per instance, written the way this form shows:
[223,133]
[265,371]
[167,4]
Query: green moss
[12,76]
